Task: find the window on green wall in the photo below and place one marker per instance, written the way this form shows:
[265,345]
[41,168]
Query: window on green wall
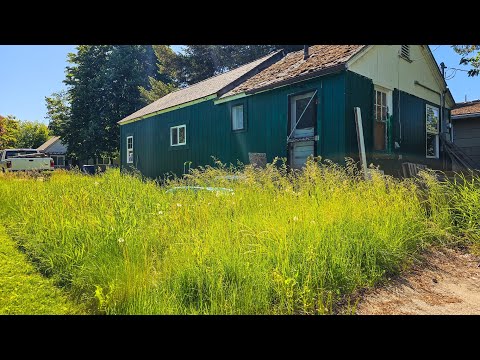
[129,149]
[237,118]
[380,115]
[432,130]
[178,135]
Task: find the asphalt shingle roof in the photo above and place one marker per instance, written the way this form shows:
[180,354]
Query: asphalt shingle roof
[197,91]
[293,65]
[466,108]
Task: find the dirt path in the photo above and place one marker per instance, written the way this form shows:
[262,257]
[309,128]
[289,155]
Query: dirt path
[447,282]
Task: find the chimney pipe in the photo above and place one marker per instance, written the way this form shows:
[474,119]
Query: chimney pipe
[305,52]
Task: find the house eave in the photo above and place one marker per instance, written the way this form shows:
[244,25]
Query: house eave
[172,108]
[465,116]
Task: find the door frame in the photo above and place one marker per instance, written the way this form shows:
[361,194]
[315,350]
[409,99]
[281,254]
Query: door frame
[289,121]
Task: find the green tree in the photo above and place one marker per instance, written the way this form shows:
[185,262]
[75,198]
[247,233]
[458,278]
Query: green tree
[31,134]
[470,55]
[58,111]
[9,128]
[103,87]
[164,83]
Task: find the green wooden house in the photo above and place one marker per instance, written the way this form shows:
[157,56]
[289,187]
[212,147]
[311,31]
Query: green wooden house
[295,105]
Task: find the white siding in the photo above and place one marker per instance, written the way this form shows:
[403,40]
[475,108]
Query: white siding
[386,68]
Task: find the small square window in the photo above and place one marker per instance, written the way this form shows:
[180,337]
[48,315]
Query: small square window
[237,118]
[178,135]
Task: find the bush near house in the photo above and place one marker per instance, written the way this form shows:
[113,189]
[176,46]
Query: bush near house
[281,243]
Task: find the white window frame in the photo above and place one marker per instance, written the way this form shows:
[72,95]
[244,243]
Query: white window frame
[130,150]
[233,120]
[437,137]
[178,135]
[389,107]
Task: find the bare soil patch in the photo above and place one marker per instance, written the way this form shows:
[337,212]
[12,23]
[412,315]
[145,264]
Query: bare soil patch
[445,282]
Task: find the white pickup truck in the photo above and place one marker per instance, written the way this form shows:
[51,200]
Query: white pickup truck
[24,160]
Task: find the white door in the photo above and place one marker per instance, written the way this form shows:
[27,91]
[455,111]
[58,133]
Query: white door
[302,145]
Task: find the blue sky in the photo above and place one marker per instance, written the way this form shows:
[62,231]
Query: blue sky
[28,73]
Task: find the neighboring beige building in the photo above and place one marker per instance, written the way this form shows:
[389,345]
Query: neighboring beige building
[54,148]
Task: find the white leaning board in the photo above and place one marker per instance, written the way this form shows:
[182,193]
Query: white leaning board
[361,141]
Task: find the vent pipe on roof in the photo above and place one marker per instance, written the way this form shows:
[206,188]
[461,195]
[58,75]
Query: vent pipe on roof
[305,52]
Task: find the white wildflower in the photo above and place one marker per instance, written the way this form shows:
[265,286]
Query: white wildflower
[295,218]
[121,240]
[160,213]
[179,205]
[96,183]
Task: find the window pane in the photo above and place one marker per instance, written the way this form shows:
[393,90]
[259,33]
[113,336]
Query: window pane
[379,135]
[174,136]
[378,113]
[237,117]
[61,161]
[130,143]
[181,135]
[432,119]
[384,99]
[308,118]
[432,145]
[378,99]
[384,113]
[130,156]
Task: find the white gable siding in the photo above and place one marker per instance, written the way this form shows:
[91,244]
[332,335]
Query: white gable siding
[56,147]
[386,68]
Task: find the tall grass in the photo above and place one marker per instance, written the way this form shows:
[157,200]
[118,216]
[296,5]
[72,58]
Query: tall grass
[281,243]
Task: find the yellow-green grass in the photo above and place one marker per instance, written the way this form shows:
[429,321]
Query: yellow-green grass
[23,290]
[282,243]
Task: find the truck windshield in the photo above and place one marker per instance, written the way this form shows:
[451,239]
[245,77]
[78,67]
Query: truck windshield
[10,154]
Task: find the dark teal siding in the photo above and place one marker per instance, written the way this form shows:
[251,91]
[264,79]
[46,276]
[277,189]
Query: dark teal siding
[209,131]
[359,94]
[409,128]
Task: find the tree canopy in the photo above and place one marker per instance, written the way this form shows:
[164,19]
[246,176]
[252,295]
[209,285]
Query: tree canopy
[470,55]
[8,131]
[32,134]
[58,111]
[15,133]
[103,87]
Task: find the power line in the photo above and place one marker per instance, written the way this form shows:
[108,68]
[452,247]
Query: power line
[459,69]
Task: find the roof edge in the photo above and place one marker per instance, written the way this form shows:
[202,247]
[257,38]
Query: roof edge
[172,108]
[465,116]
